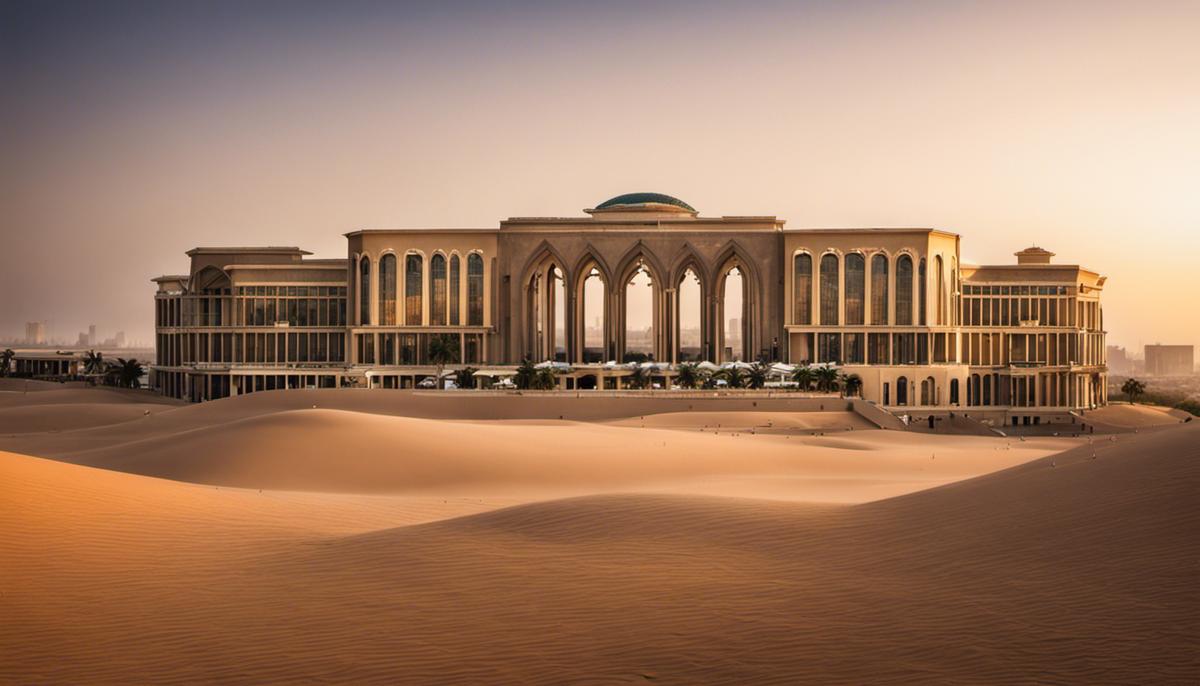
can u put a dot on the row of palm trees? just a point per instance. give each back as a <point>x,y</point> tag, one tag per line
<point>819,378</point>
<point>444,350</point>
<point>122,373</point>
<point>816,378</point>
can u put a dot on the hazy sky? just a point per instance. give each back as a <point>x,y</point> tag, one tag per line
<point>131,132</point>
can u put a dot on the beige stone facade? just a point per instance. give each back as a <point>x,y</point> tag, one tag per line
<point>895,306</point>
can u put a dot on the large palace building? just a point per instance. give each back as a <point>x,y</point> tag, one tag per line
<point>642,277</point>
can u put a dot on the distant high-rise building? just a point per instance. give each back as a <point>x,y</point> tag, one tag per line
<point>120,339</point>
<point>83,340</point>
<point>35,333</point>
<point>1118,360</point>
<point>1170,360</point>
<point>91,335</point>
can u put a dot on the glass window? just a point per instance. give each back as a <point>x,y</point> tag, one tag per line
<point>829,289</point>
<point>437,278</point>
<point>922,288</point>
<point>802,289</point>
<point>829,345</point>
<point>454,290</point>
<point>364,292</point>
<point>855,352</point>
<point>904,290</point>
<point>856,289</point>
<point>474,290</point>
<point>879,289</point>
<point>387,290</point>
<point>413,278</point>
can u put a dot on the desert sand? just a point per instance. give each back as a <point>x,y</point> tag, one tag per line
<point>399,541</point>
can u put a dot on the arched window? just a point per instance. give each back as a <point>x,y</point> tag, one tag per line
<point>953,391</point>
<point>733,294</point>
<point>413,279</point>
<point>829,289</point>
<point>856,288</point>
<point>904,291</point>
<point>940,292</point>
<point>902,391</point>
<point>387,290</point>
<point>922,288</point>
<point>987,389</point>
<point>593,316</point>
<point>879,290</point>
<point>690,313</point>
<point>639,316</point>
<point>802,289</point>
<point>364,292</point>
<point>455,284</point>
<point>437,287</point>
<point>474,290</point>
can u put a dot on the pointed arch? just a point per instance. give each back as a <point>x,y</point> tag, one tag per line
<point>639,258</point>
<point>590,267</point>
<point>688,257</point>
<point>209,279</point>
<point>731,256</point>
<point>694,345</point>
<point>543,281</point>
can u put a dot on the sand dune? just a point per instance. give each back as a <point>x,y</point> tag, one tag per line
<point>1132,417</point>
<point>759,422</point>
<point>1062,570</point>
<point>71,416</point>
<point>331,450</point>
<point>467,406</point>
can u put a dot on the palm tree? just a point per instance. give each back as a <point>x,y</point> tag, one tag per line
<point>827,378</point>
<point>852,384</point>
<point>6,359</point>
<point>640,378</point>
<point>442,350</point>
<point>756,376</point>
<point>465,377</point>
<point>546,379</point>
<point>129,373</point>
<point>1133,388</point>
<point>526,376</point>
<point>93,362</point>
<point>804,378</point>
<point>734,377</point>
<point>688,375</point>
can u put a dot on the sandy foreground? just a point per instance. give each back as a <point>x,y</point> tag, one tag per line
<point>404,541</point>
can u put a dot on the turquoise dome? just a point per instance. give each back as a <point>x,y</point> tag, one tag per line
<point>643,199</point>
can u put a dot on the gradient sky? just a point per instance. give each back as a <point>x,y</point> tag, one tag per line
<point>133,131</point>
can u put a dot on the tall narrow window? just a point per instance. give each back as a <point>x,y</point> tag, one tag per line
<point>940,292</point>
<point>387,290</point>
<point>904,290</point>
<point>412,290</point>
<point>879,289</point>
<point>922,289</point>
<point>364,292</point>
<point>474,290</point>
<point>802,289</point>
<point>829,289</point>
<point>856,288</point>
<point>437,279</point>
<point>455,284</point>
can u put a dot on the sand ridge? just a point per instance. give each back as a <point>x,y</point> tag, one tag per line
<point>1065,569</point>
<point>441,547</point>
